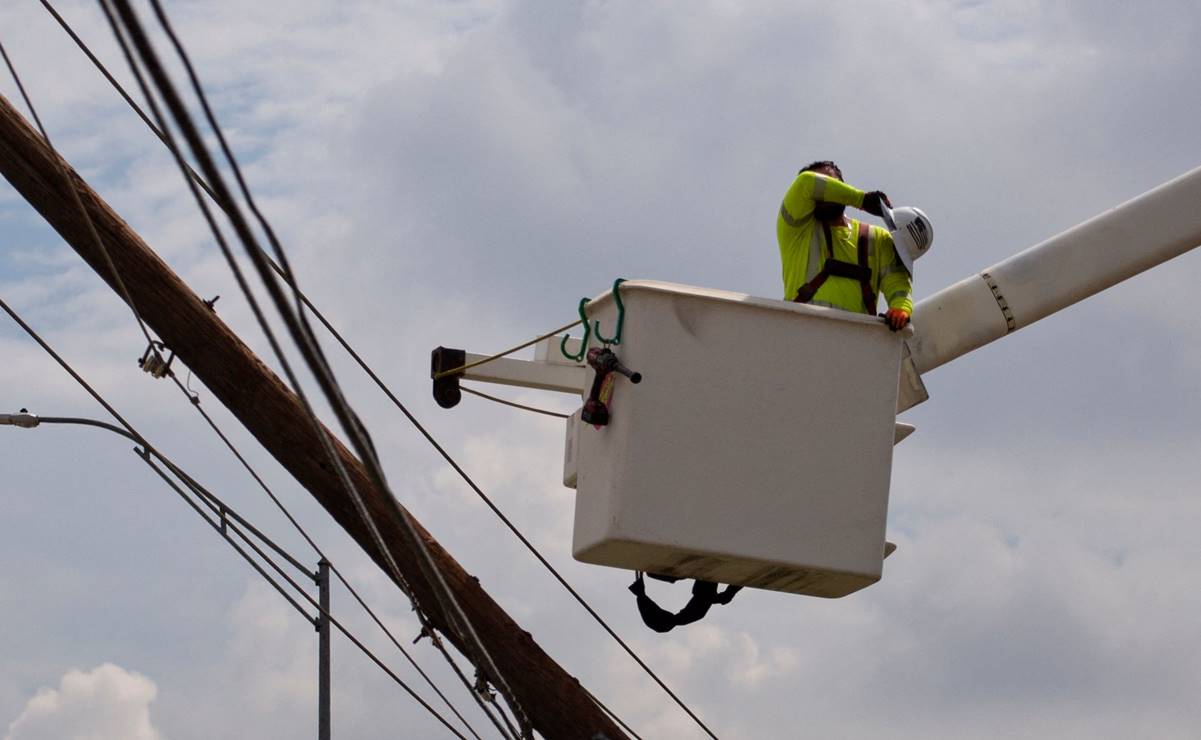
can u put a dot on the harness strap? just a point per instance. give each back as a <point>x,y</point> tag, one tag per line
<point>704,596</point>
<point>861,272</point>
<point>865,280</point>
<point>838,268</point>
<point>806,292</point>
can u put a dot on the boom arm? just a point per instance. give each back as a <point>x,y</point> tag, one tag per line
<point>1154,227</point>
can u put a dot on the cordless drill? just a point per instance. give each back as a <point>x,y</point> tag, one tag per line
<point>605,363</point>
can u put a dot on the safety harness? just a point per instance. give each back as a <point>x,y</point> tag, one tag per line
<point>861,272</point>
<point>704,596</point>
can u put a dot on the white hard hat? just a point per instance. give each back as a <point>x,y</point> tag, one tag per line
<point>912,233</point>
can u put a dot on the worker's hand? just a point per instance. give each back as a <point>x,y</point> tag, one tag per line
<point>872,201</point>
<point>896,318</point>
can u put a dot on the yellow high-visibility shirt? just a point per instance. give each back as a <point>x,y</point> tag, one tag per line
<point>803,248</point>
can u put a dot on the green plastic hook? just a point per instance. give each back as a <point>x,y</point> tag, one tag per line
<point>621,316</point>
<point>583,342</point>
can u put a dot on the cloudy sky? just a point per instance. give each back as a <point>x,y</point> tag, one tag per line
<point>461,173</point>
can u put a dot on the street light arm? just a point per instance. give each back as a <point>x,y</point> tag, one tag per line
<point>91,423</point>
<point>27,420</point>
<point>215,504</point>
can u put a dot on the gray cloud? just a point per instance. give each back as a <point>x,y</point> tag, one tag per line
<point>462,173</point>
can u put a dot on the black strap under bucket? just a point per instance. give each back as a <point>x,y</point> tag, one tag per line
<point>704,596</point>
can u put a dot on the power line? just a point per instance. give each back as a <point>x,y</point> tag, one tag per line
<point>298,328</point>
<point>149,450</point>
<point>375,377</point>
<point>615,718</point>
<point>121,285</point>
<point>222,510</point>
<point>62,170</point>
<point>333,620</point>
<point>152,347</point>
<point>195,402</point>
<point>221,527</point>
<point>118,87</point>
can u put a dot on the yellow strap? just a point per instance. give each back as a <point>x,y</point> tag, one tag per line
<point>477,363</point>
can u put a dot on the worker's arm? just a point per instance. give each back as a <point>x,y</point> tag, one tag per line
<point>895,282</point>
<point>811,187</point>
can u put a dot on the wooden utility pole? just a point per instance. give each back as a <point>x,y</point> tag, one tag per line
<point>557,705</point>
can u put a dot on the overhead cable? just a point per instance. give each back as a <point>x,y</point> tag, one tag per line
<point>192,183</point>
<point>118,87</point>
<point>60,163</point>
<point>306,341</point>
<point>133,434</point>
<point>613,716</point>
<point>152,346</point>
<point>221,527</point>
<point>224,512</point>
<point>195,402</point>
<point>313,602</point>
<point>323,612</point>
<point>297,327</point>
<point>350,350</point>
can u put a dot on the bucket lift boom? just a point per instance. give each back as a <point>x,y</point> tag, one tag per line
<point>1105,250</point>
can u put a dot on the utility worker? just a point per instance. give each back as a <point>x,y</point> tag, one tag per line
<point>831,260</point>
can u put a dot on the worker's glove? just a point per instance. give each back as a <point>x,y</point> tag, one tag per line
<point>896,318</point>
<point>872,201</point>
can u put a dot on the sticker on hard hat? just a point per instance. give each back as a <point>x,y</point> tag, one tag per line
<point>918,230</point>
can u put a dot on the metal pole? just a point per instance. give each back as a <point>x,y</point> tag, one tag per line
<point>323,700</point>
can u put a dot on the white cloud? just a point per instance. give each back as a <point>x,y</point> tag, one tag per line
<point>106,703</point>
